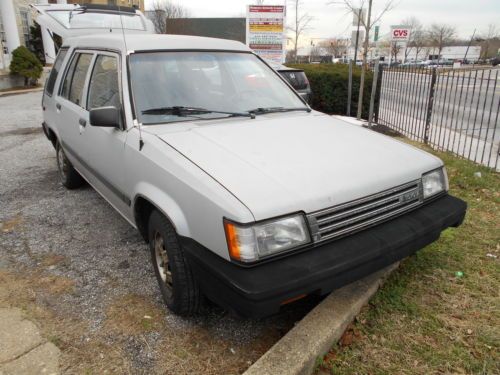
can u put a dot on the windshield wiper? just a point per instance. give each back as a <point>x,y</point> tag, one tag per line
<point>262,110</point>
<point>187,111</point>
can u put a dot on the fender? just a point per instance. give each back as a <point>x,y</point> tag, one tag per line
<point>163,203</point>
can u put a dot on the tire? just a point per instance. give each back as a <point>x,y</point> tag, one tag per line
<point>70,178</point>
<point>175,278</point>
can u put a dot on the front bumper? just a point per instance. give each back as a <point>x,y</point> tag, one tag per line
<point>261,290</point>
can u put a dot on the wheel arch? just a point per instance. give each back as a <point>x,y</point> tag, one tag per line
<point>144,204</point>
<point>50,134</point>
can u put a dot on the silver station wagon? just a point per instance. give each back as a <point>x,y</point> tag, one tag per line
<point>244,194</point>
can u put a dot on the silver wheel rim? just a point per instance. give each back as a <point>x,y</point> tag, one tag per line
<point>162,263</point>
<point>63,164</point>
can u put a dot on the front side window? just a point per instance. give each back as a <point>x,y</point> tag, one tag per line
<point>75,78</point>
<point>217,81</point>
<point>51,81</point>
<point>104,90</point>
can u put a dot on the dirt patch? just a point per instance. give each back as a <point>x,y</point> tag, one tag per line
<point>22,131</point>
<point>52,259</point>
<point>11,224</point>
<point>133,315</point>
<point>383,129</point>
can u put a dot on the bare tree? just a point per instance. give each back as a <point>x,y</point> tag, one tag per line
<point>164,10</point>
<point>440,36</point>
<point>417,36</point>
<point>367,25</point>
<point>301,23</point>
<point>395,48</point>
<point>489,38</point>
<point>337,47</point>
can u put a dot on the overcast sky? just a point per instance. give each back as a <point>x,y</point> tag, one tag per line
<point>332,20</point>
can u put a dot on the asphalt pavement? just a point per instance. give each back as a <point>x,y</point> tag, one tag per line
<point>465,112</point>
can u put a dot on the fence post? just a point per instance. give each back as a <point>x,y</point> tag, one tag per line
<point>430,104</point>
<point>349,89</point>
<point>374,93</point>
<point>378,93</point>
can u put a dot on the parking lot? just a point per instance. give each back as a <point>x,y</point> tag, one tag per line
<point>84,275</point>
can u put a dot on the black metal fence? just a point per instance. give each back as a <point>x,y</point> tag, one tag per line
<point>452,110</point>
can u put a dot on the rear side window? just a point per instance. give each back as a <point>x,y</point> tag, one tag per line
<point>103,87</point>
<point>74,81</point>
<point>49,88</point>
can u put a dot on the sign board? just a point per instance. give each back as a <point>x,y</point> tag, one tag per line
<point>358,13</point>
<point>361,37</point>
<point>400,34</point>
<point>266,32</point>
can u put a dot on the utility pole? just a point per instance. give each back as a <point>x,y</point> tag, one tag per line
<point>357,36</point>
<point>468,46</point>
<point>363,67</point>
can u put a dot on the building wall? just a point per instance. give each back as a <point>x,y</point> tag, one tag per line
<point>24,20</point>
<point>223,28</point>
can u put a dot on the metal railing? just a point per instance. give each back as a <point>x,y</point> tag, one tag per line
<point>453,110</point>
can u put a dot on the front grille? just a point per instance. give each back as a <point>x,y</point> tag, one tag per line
<point>353,216</point>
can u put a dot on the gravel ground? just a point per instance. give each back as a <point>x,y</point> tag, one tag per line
<point>90,272</point>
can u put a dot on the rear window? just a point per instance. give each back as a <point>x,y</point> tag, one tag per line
<point>51,81</point>
<point>297,79</point>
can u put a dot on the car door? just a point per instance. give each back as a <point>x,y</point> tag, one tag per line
<point>104,145</point>
<point>48,99</point>
<point>71,114</point>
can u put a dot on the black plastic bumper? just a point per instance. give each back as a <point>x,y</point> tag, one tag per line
<point>260,291</point>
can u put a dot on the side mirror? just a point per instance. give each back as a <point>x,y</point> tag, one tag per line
<point>108,117</point>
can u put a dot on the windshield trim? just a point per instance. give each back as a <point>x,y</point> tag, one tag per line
<point>129,78</point>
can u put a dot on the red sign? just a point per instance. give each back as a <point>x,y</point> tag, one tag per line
<point>400,34</point>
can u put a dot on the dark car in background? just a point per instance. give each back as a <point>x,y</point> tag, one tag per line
<point>297,79</point>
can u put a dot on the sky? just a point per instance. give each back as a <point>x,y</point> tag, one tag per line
<point>333,20</point>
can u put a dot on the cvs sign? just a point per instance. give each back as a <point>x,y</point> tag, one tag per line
<point>400,33</point>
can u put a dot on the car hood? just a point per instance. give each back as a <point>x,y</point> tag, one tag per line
<point>283,163</point>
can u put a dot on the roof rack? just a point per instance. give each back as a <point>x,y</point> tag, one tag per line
<point>106,7</point>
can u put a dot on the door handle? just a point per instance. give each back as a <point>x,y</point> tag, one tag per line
<point>58,106</point>
<point>82,122</point>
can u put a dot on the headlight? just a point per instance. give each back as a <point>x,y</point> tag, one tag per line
<point>434,182</point>
<point>248,243</point>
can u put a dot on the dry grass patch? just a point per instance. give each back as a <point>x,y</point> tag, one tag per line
<point>133,315</point>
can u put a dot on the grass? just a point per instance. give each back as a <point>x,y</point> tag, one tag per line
<point>439,313</point>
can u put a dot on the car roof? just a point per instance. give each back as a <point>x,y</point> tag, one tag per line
<point>153,42</point>
<point>283,68</point>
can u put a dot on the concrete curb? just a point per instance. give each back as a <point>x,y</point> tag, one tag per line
<point>313,336</point>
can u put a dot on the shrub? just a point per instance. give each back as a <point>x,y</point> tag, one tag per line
<point>26,64</point>
<point>329,83</point>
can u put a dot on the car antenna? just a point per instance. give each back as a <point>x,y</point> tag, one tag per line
<point>141,142</point>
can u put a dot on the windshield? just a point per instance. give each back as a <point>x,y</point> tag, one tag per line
<point>77,19</point>
<point>215,81</point>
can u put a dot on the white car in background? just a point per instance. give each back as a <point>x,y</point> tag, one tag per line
<point>244,194</point>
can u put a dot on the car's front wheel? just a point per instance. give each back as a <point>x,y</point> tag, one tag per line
<point>68,174</point>
<point>178,286</point>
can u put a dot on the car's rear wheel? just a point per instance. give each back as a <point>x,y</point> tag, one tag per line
<point>68,174</point>
<point>175,278</point>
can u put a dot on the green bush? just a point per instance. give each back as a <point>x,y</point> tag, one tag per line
<point>26,64</point>
<point>329,83</point>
